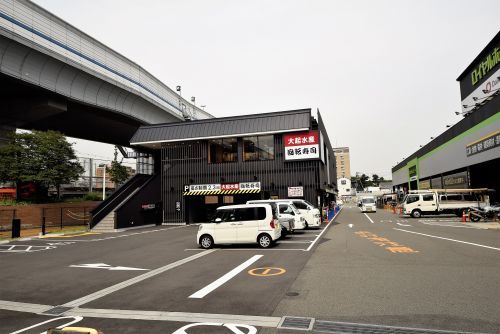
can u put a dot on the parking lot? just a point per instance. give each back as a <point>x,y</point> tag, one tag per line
<point>151,272</point>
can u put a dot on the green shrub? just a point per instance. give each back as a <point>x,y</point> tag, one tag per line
<point>93,197</point>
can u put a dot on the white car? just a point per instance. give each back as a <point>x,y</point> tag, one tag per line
<point>286,212</point>
<point>236,224</point>
<point>308,211</point>
<point>368,204</point>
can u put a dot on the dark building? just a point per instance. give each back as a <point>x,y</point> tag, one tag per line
<point>467,155</point>
<point>208,163</point>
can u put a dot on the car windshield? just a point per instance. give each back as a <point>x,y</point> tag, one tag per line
<point>368,200</point>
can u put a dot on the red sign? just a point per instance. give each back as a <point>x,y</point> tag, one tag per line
<point>230,186</point>
<point>301,139</point>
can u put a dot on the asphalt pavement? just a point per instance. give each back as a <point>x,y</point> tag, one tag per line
<point>376,268</point>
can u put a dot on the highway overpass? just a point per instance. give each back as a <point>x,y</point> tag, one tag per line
<point>54,76</point>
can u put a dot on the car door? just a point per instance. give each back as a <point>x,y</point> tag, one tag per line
<point>225,231</point>
<point>428,203</point>
<point>248,224</point>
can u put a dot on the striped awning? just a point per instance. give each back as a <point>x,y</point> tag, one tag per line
<point>220,192</point>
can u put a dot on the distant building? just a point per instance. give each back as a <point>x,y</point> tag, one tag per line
<point>343,162</point>
<point>344,187</point>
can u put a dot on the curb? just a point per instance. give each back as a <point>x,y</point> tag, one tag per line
<point>38,237</point>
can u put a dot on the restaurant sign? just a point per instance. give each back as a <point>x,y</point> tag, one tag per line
<point>301,146</point>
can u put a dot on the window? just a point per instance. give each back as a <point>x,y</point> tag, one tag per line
<point>258,148</point>
<point>412,199</point>
<point>343,182</point>
<point>300,205</point>
<point>428,198</point>
<point>222,150</point>
<point>250,214</point>
<point>224,215</point>
<point>228,199</point>
<point>286,209</point>
<point>211,200</point>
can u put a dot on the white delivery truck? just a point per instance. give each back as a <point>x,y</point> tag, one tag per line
<point>439,201</point>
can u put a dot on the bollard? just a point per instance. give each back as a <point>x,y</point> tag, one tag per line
<point>43,226</point>
<point>16,228</point>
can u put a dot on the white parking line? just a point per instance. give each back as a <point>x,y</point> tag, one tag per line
<point>137,279</point>
<point>371,221</point>
<point>218,282</point>
<point>454,240</point>
<point>435,224</point>
<point>74,321</point>
<point>324,229</point>
<point>294,242</point>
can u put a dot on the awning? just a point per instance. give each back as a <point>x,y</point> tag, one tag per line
<point>220,192</point>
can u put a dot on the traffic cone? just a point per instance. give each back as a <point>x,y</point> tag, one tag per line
<point>400,210</point>
<point>394,209</point>
<point>464,217</point>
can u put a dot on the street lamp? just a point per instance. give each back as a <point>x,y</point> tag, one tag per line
<point>203,107</point>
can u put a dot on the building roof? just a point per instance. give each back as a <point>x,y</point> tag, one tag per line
<point>256,124</point>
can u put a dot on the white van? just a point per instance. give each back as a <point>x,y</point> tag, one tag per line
<point>286,212</point>
<point>306,209</point>
<point>235,224</point>
<point>439,201</point>
<point>368,204</point>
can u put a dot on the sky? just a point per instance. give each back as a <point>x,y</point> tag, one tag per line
<point>382,73</point>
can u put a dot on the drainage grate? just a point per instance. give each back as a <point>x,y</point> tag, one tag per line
<point>296,323</point>
<point>350,328</point>
<point>58,310</point>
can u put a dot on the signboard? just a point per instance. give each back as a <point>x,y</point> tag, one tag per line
<point>484,144</point>
<point>458,180</point>
<point>250,185</point>
<point>230,186</point>
<point>424,184</point>
<point>295,191</point>
<point>203,187</point>
<point>301,146</point>
<point>148,206</point>
<point>177,206</point>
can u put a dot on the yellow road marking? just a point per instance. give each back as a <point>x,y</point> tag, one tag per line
<point>266,271</point>
<point>391,246</point>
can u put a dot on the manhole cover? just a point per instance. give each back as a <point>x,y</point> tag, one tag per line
<point>292,294</point>
<point>58,310</point>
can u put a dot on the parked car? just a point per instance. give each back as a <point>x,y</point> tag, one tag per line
<point>311,214</point>
<point>236,224</point>
<point>287,213</point>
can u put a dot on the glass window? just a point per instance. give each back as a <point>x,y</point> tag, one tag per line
<point>412,199</point>
<point>211,200</point>
<point>258,148</point>
<point>343,182</point>
<point>428,198</point>
<point>224,215</point>
<point>249,214</point>
<point>286,209</point>
<point>228,199</point>
<point>300,205</point>
<point>222,150</point>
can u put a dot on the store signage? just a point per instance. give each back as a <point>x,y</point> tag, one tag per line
<point>295,191</point>
<point>455,180</point>
<point>301,146</point>
<point>203,187</point>
<point>230,186</point>
<point>177,206</point>
<point>484,144</point>
<point>148,206</point>
<point>486,65</point>
<point>482,92</point>
<point>250,185</point>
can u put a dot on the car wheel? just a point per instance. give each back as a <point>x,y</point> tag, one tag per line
<point>206,241</point>
<point>264,241</point>
<point>416,214</point>
<point>475,218</point>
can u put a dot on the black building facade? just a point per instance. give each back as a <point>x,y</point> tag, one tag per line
<point>209,163</point>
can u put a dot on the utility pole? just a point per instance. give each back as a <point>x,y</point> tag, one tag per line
<point>91,173</point>
<point>103,182</point>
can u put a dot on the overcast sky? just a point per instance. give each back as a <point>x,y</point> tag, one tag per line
<point>382,73</point>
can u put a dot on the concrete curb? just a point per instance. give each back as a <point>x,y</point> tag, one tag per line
<point>40,237</point>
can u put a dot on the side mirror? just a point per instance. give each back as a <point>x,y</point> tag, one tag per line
<point>218,220</point>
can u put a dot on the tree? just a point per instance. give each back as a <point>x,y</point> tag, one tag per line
<point>375,179</point>
<point>45,158</point>
<point>118,173</point>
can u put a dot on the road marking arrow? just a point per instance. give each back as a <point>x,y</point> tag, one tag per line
<point>103,266</point>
